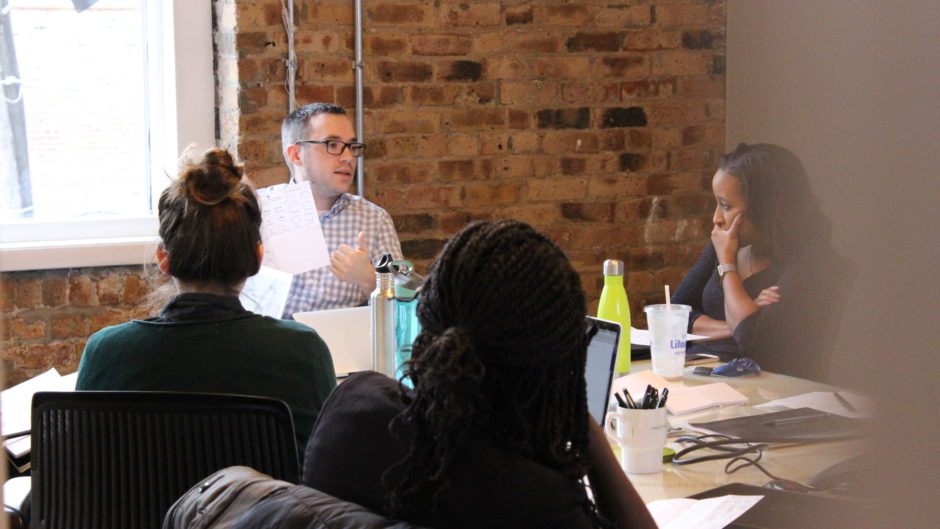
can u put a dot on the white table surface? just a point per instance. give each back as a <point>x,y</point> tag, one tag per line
<point>794,462</point>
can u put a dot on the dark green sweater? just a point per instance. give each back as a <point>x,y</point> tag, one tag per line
<point>214,350</point>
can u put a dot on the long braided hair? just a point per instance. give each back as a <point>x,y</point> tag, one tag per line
<point>502,351</point>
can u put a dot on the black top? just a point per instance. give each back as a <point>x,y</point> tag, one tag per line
<point>793,336</point>
<point>351,448</point>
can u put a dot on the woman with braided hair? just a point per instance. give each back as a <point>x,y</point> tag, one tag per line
<point>203,340</point>
<point>496,432</point>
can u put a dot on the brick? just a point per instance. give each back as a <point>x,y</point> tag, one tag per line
<point>68,326</point>
<point>718,65</point>
<point>692,135</point>
<point>652,40</point>
<point>251,41</point>
<point>411,172</point>
<point>519,42</point>
<point>136,290</point>
<point>648,88</point>
<point>82,291</point>
<point>590,92</point>
<point>583,41</point>
<point>612,140</point>
<point>488,194</point>
<point>398,14</point>
<point>681,63</point>
<point>518,15</point>
<point>429,95</point>
<point>623,117</point>
<point>499,143</point>
<point>622,66</point>
<point>566,142</point>
<point>632,162</point>
<point>7,292</point>
<point>389,122</point>
<point>109,290</point>
<point>421,248</point>
<point>327,14</point>
<point>680,14</point>
<point>105,318</point>
<point>562,67</point>
<point>562,15</point>
<point>454,221</point>
<point>537,215</point>
<point>441,44</point>
<point>466,14</point>
<point>404,72</point>
<point>324,69</point>
<point>385,45</point>
<point>573,166</point>
<point>621,16</point>
<point>518,119</point>
<point>475,119</point>
<point>703,39</point>
<point>564,118</point>
<point>460,71</point>
<point>588,211</point>
<point>666,184</point>
<point>463,145</point>
<point>397,147</point>
<point>456,169</point>
<point>29,329</point>
<point>425,197</point>
<point>528,93</point>
<point>28,292</point>
<point>414,223</point>
<point>510,168</point>
<point>568,188</point>
<point>511,67</point>
<point>622,185</point>
<point>676,112</point>
<point>6,330</point>
<point>706,86</point>
<point>43,356</point>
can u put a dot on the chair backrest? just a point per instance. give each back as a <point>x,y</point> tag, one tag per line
<point>119,459</point>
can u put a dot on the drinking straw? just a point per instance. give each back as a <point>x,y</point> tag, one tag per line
<point>668,303</point>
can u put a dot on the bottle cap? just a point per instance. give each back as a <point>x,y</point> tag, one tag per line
<point>613,267</point>
<point>383,266</point>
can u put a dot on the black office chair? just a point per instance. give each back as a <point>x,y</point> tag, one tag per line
<point>119,459</point>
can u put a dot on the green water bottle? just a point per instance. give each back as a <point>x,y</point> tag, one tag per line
<point>614,307</point>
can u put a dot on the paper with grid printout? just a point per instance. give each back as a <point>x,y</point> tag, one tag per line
<point>290,229</point>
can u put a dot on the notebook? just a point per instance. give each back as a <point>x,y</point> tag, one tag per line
<point>804,425</point>
<point>599,370</point>
<point>348,334</point>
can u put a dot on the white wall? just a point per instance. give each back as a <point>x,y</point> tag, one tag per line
<point>853,87</point>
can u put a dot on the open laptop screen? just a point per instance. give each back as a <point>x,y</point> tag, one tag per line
<point>601,356</point>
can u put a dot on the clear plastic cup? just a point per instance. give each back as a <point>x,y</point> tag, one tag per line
<point>667,338</point>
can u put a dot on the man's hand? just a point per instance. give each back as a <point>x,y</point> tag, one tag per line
<point>353,264</point>
<point>768,296</point>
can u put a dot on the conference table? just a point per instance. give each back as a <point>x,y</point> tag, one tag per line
<point>796,462</point>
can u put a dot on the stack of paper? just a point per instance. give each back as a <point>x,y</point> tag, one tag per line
<point>710,513</point>
<point>16,409</point>
<point>682,399</point>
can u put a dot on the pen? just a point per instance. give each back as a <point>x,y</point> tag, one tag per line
<point>662,398</point>
<point>794,420</point>
<point>630,402</point>
<point>646,397</point>
<point>845,403</point>
<point>620,401</point>
<point>654,399</point>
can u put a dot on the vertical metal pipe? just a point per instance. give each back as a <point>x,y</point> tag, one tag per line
<point>357,66</point>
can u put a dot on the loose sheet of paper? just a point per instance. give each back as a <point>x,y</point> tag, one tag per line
<point>642,337</point>
<point>266,292</point>
<point>682,399</point>
<point>17,401</point>
<point>709,513</point>
<point>290,229</point>
<point>826,401</point>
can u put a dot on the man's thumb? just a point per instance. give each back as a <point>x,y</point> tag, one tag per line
<point>361,240</point>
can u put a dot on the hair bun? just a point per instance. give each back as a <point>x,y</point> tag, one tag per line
<point>212,179</point>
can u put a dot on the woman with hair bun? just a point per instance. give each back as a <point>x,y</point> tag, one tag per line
<point>203,340</point>
<point>768,286</point>
<point>496,432</point>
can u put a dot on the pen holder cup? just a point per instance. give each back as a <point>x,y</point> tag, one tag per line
<point>641,435</point>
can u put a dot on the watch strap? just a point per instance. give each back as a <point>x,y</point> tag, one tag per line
<point>724,269</point>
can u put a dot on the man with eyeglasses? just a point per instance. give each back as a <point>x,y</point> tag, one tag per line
<point>321,150</point>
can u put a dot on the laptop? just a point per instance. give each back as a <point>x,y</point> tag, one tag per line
<point>599,370</point>
<point>348,334</point>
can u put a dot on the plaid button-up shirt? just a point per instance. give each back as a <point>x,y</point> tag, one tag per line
<point>319,289</point>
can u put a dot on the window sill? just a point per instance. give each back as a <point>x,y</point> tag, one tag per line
<point>77,253</point>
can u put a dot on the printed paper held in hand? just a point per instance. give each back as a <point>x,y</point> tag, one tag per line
<point>290,229</point>
<point>710,513</point>
<point>682,399</point>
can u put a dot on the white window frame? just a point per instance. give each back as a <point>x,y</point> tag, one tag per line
<point>182,107</point>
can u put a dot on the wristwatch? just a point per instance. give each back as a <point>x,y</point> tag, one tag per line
<point>724,269</point>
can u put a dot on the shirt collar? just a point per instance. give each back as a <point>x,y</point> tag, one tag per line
<point>342,202</point>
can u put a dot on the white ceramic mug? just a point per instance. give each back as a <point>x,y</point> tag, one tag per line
<point>641,435</point>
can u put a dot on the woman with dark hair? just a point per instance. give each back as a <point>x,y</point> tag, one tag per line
<point>203,340</point>
<point>496,432</point>
<point>766,284</point>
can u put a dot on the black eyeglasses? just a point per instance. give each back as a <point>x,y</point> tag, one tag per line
<point>337,147</point>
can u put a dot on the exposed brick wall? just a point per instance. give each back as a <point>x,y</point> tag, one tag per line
<point>597,121</point>
<point>47,316</point>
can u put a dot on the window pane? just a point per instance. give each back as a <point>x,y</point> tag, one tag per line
<point>85,105</point>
